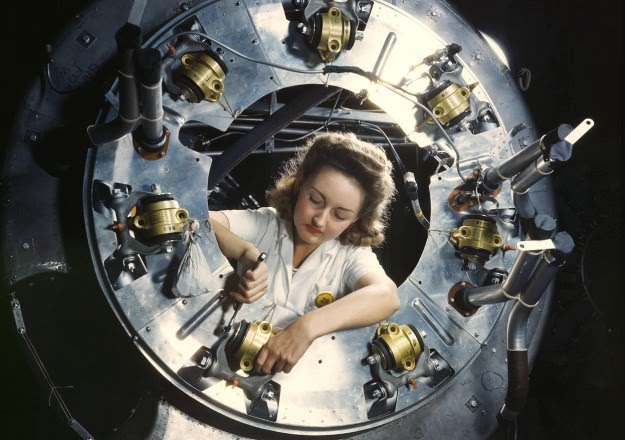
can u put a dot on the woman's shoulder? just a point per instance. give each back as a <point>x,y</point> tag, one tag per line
<point>348,250</point>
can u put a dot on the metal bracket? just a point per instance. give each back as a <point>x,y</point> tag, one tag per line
<point>535,245</point>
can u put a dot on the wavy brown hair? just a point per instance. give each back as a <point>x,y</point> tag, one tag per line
<point>353,157</point>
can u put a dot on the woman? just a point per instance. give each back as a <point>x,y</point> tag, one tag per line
<point>327,207</point>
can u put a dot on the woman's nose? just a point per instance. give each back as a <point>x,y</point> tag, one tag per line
<point>319,220</point>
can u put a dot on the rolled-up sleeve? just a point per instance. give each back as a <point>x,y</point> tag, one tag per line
<point>253,225</point>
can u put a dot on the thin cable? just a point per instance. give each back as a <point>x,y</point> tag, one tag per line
<point>390,144</point>
<point>48,379</point>
<point>239,54</point>
<point>397,89</point>
<point>357,71</point>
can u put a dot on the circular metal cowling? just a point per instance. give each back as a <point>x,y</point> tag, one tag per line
<point>181,387</point>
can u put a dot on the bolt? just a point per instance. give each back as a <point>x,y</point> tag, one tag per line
<point>494,350</point>
<point>270,394</point>
<point>423,334</point>
<point>148,329</point>
<point>86,39</point>
<point>376,394</point>
<point>184,301</point>
<point>25,245</point>
<point>33,137</point>
<point>371,360</point>
<point>473,403</point>
<point>155,187</point>
<point>476,334</point>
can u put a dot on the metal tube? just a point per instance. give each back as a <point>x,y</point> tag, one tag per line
<point>547,268</point>
<point>517,327</point>
<point>128,39</point>
<point>524,205</point>
<point>493,177</point>
<point>389,43</point>
<point>530,175</point>
<point>481,296</point>
<point>521,269</point>
<point>201,315</point>
<point>518,367</point>
<point>149,77</point>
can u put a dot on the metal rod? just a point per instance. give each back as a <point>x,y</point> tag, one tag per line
<point>201,315</point>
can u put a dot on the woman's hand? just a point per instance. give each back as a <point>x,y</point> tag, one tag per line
<point>253,277</point>
<point>285,348</point>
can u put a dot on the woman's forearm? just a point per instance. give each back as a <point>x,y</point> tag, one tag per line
<point>371,303</point>
<point>230,244</point>
<point>365,306</point>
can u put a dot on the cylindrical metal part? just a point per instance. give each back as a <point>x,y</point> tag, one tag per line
<point>524,205</point>
<point>514,164</point>
<point>398,346</point>
<point>518,383</point>
<point>547,268</point>
<point>480,296</point>
<point>517,327</point>
<point>201,315</point>
<point>128,39</point>
<point>532,174</point>
<point>521,269</point>
<point>389,43</point>
<point>252,337</point>
<point>544,226</point>
<point>160,218</point>
<point>149,77</point>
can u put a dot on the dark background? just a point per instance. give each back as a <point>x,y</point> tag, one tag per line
<point>574,52</point>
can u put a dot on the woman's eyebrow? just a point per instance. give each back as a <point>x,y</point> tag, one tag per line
<point>324,198</point>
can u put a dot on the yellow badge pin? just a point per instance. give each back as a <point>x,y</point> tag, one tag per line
<point>323,298</point>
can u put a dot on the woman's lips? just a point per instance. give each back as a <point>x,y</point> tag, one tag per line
<point>312,230</point>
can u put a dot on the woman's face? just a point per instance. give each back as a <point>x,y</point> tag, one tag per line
<point>328,202</point>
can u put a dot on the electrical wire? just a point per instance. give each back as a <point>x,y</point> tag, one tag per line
<point>343,69</point>
<point>245,57</point>
<point>452,145</point>
<point>400,164</point>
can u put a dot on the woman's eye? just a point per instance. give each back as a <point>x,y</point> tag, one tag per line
<point>315,201</point>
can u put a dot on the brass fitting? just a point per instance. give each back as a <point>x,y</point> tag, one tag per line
<point>399,346</point>
<point>201,77</point>
<point>252,337</point>
<point>160,218</point>
<point>477,239</point>
<point>450,103</point>
<point>334,35</point>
